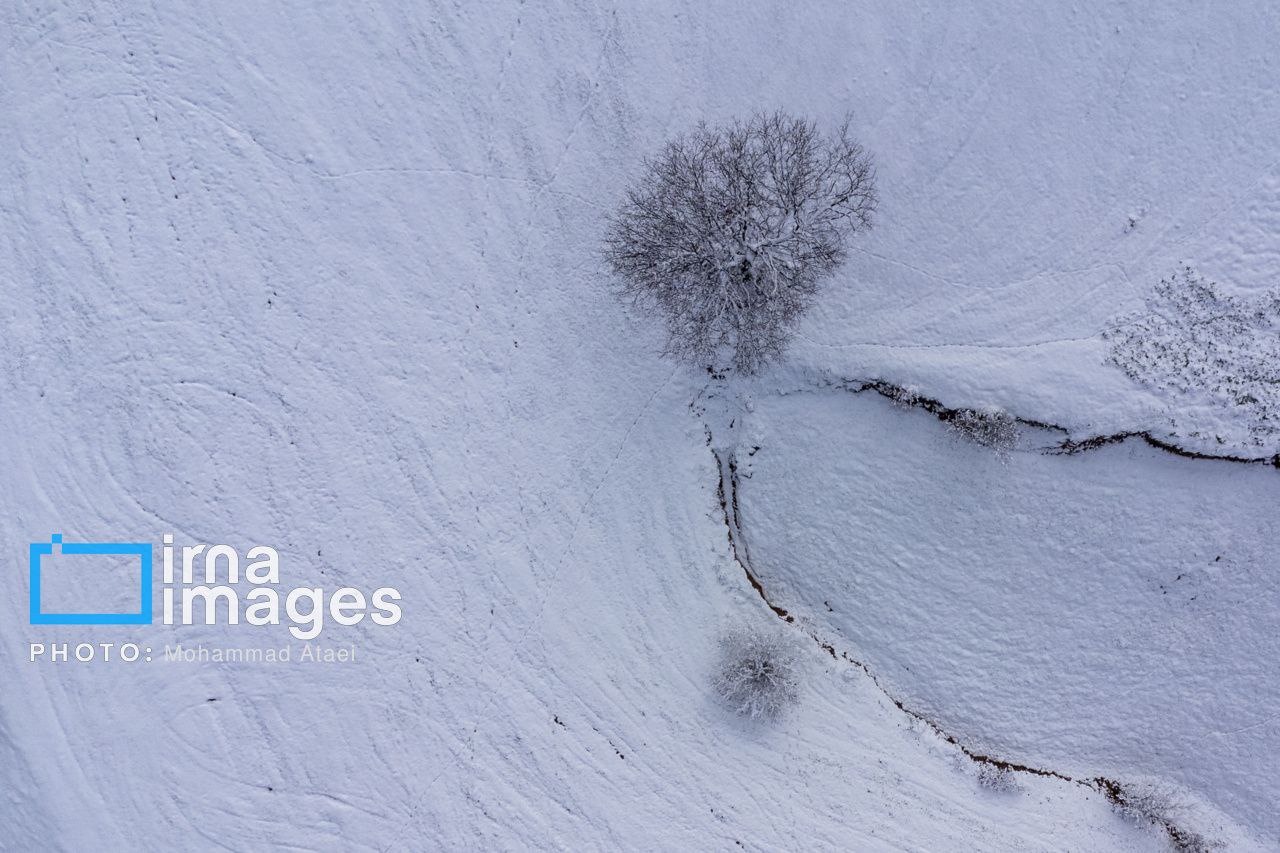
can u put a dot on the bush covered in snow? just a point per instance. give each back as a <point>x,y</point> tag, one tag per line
<point>1151,803</point>
<point>758,674</point>
<point>992,428</point>
<point>1197,343</point>
<point>730,230</point>
<point>902,396</point>
<point>993,777</point>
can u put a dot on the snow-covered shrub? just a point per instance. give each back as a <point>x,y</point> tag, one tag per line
<point>1152,803</point>
<point>730,230</point>
<point>758,674</point>
<point>996,778</point>
<point>902,396</point>
<point>992,428</point>
<point>1197,343</point>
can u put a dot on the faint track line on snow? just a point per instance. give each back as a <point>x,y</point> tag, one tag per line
<point>1025,280</point>
<point>546,593</point>
<point>607,42</point>
<point>369,171</point>
<point>985,85</point>
<point>1247,728</point>
<point>881,345</point>
<point>582,510</point>
<point>1231,204</point>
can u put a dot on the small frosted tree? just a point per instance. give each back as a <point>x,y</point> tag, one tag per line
<point>730,230</point>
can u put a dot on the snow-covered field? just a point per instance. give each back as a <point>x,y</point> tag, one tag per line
<point>328,277</point>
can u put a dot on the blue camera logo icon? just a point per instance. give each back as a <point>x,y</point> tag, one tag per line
<point>42,550</point>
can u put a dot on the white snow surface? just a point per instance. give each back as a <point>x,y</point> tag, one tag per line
<point>327,277</point>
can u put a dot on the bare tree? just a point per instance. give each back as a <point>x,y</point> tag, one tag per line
<point>730,231</point>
